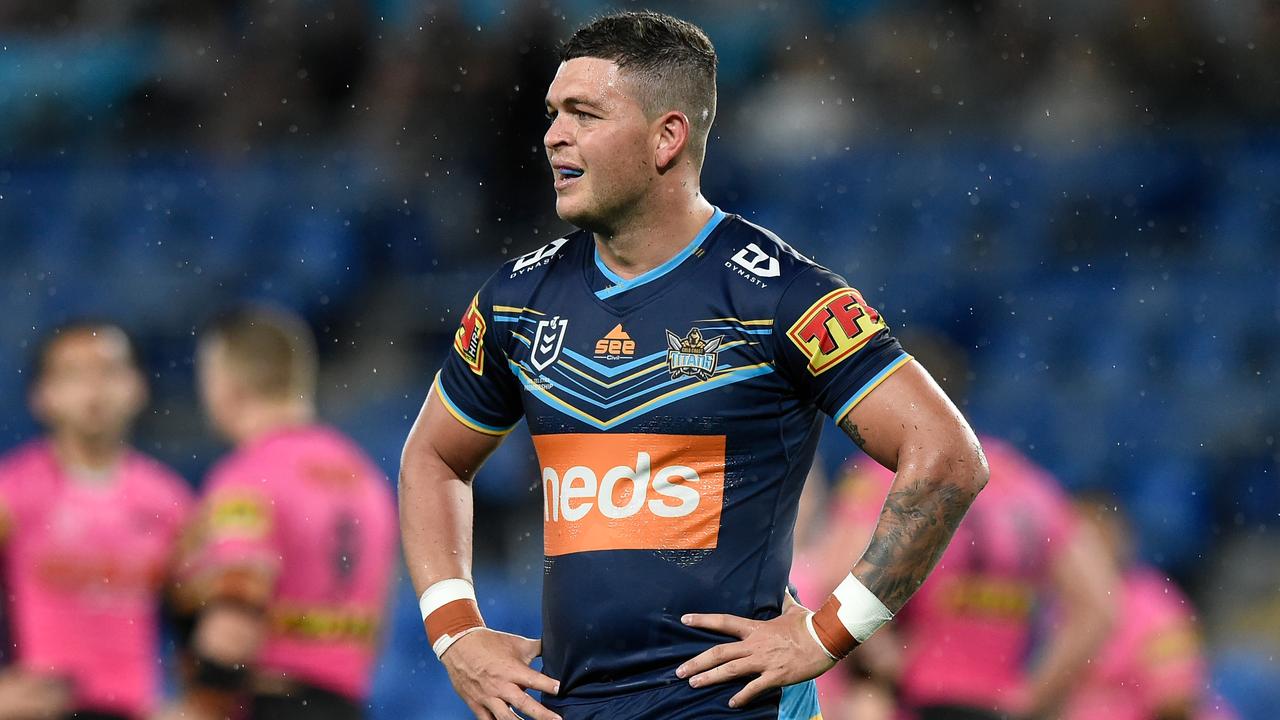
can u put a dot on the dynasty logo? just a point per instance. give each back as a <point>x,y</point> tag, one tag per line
<point>692,355</point>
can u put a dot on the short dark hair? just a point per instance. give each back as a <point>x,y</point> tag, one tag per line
<point>43,349</point>
<point>672,60</point>
<point>273,350</point>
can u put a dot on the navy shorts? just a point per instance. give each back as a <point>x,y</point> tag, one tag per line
<point>678,701</point>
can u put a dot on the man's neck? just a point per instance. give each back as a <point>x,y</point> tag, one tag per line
<point>87,457</point>
<point>652,238</point>
<point>265,417</point>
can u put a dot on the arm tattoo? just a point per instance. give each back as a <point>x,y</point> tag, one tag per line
<point>915,526</point>
<point>852,431</point>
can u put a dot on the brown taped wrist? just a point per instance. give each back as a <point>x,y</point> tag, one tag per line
<point>452,618</point>
<point>832,633</point>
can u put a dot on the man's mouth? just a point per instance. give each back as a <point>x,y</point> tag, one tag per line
<point>566,175</point>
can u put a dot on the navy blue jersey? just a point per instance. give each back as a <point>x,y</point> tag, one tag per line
<point>675,417</point>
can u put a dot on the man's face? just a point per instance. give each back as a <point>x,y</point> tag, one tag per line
<point>599,143</point>
<point>89,385</point>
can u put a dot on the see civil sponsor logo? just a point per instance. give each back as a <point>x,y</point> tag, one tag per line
<point>615,344</point>
<point>630,491</point>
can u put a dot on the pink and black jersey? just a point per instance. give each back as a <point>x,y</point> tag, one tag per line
<point>85,565</point>
<point>305,509</point>
<point>675,416</point>
<point>967,632</point>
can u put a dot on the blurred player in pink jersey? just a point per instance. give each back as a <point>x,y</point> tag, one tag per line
<point>88,528</point>
<point>1152,666</point>
<point>294,551</point>
<point>960,649</point>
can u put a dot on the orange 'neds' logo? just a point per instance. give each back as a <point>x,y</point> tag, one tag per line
<point>630,491</point>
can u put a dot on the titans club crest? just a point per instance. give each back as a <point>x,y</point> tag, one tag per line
<point>692,355</point>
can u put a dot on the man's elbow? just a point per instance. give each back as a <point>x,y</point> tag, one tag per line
<point>956,461</point>
<point>965,463</point>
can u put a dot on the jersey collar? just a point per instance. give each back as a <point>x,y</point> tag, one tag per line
<point>621,285</point>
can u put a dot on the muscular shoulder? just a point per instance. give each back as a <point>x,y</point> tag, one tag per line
<point>349,459</point>
<point>520,276</point>
<point>26,477</point>
<point>761,259</point>
<point>237,470</point>
<point>22,460</point>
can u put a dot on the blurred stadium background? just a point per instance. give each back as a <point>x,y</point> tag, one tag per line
<point>1085,193</point>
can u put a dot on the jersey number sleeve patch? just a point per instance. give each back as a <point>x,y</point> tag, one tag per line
<point>835,327</point>
<point>469,340</point>
<point>238,515</point>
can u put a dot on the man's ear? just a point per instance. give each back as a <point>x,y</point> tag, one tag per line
<point>141,392</point>
<point>38,402</point>
<point>671,138</point>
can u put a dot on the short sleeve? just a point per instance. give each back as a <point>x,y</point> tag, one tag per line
<point>23,489</point>
<point>832,345</point>
<point>475,383</point>
<point>233,554</point>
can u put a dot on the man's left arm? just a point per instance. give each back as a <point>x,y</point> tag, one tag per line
<point>837,352</point>
<point>226,577</point>
<point>911,427</point>
<point>908,425</point>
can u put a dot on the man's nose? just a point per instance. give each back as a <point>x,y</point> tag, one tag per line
<point>557,134</point>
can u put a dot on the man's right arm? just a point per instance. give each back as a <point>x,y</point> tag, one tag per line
<point>490,670</point>
<point>24,694</point>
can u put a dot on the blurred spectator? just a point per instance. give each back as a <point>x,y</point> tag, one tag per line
<point>803,109</point>
<point>89,526</point>
<point>1076,108</point>
<point>1152,665</point>
<point>1113,265</point>
<point>291,562</point>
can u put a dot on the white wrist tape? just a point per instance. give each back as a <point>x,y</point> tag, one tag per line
<point>860,611</point>
<point>850,616</point>
<point>808,625</point>
<point>449,612</point>
<point>446,641</point>
<point>443,593</point>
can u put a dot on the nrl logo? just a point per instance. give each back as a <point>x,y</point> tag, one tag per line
<point>547,342</point>
<point>692,355</point>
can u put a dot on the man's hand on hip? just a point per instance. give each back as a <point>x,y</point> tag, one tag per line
<point>777,652</point>
<point>490,670</point>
